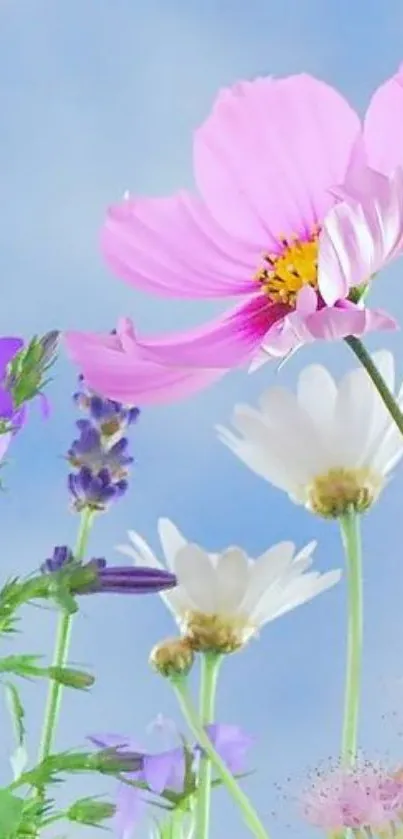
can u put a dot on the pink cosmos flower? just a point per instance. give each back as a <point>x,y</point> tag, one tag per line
<point>298,206</point>
<point>364,797</point>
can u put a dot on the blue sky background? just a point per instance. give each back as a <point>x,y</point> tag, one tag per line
<point>96,98</point>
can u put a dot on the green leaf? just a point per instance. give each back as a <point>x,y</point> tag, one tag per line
<point>11,809</point>
<point>22,665</point>
<point>17,711</point>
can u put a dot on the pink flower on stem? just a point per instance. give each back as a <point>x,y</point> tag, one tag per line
<point>298,206</point>
<point>365,797</point>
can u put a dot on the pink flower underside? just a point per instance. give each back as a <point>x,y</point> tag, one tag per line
<point>163,369</point>
<point>154,370</point>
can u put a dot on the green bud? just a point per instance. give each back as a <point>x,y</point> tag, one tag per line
<point>90,811</point>
<point>27,371</point>
<point>71,678</point>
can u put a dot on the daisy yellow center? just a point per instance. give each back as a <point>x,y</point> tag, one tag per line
<point>216,632</point>
<point>333,494</point>
<point>283,275</point>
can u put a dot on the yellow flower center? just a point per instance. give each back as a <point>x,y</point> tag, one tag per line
<point>284,275</point>
<point>216,632</point>
<point>331,495</point>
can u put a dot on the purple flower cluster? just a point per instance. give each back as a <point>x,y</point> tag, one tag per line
<point>100,453</point>
<point>113,579</point>
<point>167,770</point>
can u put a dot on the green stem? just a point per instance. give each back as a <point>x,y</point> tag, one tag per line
<point>191,716</point>
<point>210,666</point>
<point>350,531</point>
<point>61,650</point>
<point>364,357</point>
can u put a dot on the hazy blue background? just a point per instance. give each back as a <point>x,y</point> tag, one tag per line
<point>97,97</point>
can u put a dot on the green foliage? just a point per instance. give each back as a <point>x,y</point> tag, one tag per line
<point>11,810</point>
<point>17,712</point>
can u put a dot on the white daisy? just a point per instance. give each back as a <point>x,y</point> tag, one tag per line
<point>328,447</point>
<point>223,599</point>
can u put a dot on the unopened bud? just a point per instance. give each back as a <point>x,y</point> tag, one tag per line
<point>71,678</point>
<point>91,812</point>
<point>173,657</point>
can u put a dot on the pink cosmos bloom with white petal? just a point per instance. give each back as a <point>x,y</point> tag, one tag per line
<point>298,204</point>
<point>365,797</point>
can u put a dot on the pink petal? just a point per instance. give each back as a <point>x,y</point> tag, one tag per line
<point>360,182</point>
<point>173,247</point>
<point>133,380</point>
<point>383,127</point>
<point>267,156</point>
<point>358,239</point>
<point>227,341</point>
<point>332,324</point>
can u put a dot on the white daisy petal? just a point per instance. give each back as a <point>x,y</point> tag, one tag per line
<point>224,597</point>
<point>266,569</point>
<point>197,577</point>
<point>232,576</point>
<point>171,540</point>
<point>317,393</point>
<point>329,433</point>
<point>142,551</point>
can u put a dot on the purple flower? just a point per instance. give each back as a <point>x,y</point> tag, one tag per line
<point>166,770</point>
<point>9,347</point>
<point>100,452</point>
<point>116,579</point>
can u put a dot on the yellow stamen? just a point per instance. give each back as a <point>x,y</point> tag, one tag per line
<point>285,274</point>
<point>217,632</point>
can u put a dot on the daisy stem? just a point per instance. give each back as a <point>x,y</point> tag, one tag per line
<point>350,532</point>
<point>192,718</point>
<point>364,357</point>
<point>210,665</point>
<point>61,649</point>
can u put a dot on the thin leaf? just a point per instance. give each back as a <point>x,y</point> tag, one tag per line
<point>17,712</point>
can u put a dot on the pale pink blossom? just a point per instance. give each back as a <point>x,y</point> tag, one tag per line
<point>366,797</point>
<point>298,205</point>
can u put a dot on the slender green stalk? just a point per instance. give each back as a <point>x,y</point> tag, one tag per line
<point>61,650</point>
<point>210,666</point>
<point>191,716</point>
<point>364,357</point>
<point>350,531</point>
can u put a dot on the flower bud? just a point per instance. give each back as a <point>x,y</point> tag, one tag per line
<point>173,657</point>
<point>90,811</point>
<point>71,677</point>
